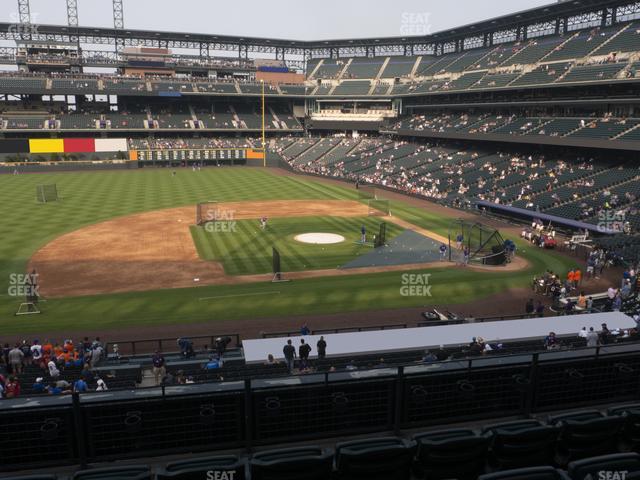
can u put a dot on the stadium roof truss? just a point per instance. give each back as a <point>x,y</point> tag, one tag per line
<point>547,20</point>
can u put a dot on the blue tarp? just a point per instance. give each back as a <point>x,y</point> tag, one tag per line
<point>567,222</point>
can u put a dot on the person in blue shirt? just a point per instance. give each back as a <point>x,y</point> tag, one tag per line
<point>305,330</point>
<point>212,364</point>
<point>80,386</point>
<point>38,387</point>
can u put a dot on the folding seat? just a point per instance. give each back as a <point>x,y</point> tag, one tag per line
<point>130,472</point>
<point>523,443</point>
<point>387,458</point>
<point>304,463</point>
<point>617,466</point>
<point>531,473</point>
<point>630,434</point>
<point>197,468</point>
<point>586,434</point>
<point>457,453</point>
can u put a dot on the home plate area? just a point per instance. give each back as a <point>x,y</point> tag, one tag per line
<point>407,248</point>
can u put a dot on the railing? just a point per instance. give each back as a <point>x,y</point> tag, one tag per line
<point>117,426</point>
<point>169,345</point>
<point>335,330</point>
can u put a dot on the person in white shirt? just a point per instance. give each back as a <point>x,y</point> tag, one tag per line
<point>36,351</point>
<point>583,333</point>
<point>101,386</point>
<point>53,370</point>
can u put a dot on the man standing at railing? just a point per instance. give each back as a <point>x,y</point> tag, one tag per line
<point>289,352</point>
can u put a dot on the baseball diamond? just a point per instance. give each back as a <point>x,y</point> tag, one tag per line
<point>230,253</point>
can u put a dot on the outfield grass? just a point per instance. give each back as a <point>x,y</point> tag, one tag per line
<point>96,196</point>
<point>248,249</point>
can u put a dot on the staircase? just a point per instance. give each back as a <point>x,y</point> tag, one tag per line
<point>625,132</point>
<point>312,74</point>
<point>559,46</point>
<point>382,69</point>
<point>344,69</point>
<point>414,70</point>
<point>609,39</point>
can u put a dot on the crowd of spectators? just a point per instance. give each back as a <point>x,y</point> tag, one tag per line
<point>51,361</point>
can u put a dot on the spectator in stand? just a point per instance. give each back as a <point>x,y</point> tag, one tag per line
<point>159,368</point>
<point>322,348</point>
<point>577,278</point>
<point>551,342</point>
<point>213,363</point>
<point>53,369</point>
<point>582,301</point>
<point>97,351</point>
<point>36,353</point>
<point>529,307</point>
<point>589,304</point>
<point>26,350</point>
<point>15,360</point>
<point>592,338</point>
<point>38,386</point>
<point>271,360</point>
<point>289,352</point>
<point>12,387</point>
<point>605,334</point>
<point>540,309</point>
<point>102,386</point>
<point>87,374</point>
<point>304,331</point>
<point>80,386</point>
<point>303,352</point>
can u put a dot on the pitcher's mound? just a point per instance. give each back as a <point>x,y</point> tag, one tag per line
<point>319,238</point>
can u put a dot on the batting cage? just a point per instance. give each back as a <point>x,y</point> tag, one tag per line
<point>367,192</point>
<point>207,212</point>
<point>381,238</point>
<point>485,244</point>
<point>47,193</point>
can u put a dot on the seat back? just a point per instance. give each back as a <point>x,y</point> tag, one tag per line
<point>305,463</point>
<point>531,473</point>
<point>197,468</point>
<point>619,462</point>
<point>530,446</point>
<point>580,439</point>
<point>130,472</point>
<point>377,458</point>
<point>458,457</point>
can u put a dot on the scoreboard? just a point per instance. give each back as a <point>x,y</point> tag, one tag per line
<point>172,156</point>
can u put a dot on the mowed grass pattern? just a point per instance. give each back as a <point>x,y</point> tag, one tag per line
<point>92,197</point>
<point>96,196</point>
<point>248,249</point>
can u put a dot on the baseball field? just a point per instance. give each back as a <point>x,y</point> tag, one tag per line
<point>120,250</point>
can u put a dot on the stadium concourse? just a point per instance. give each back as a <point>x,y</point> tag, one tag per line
<point>498,158</point>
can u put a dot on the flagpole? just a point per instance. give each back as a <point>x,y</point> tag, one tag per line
<point>264,142</point>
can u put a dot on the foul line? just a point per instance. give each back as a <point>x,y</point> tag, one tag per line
<point>239,295</point>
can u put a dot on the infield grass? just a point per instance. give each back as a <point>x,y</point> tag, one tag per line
<point>248,249</point>
<point>93,197</point>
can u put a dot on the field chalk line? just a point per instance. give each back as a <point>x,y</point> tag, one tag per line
<point>239,295</point>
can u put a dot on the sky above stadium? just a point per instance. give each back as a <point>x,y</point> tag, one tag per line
<point>289,19</point>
